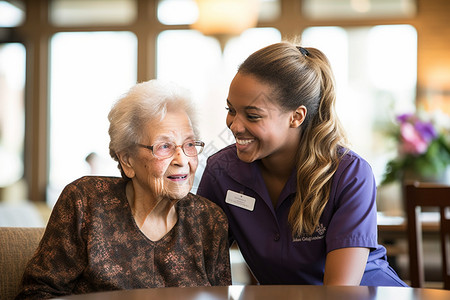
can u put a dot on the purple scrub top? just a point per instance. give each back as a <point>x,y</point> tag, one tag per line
<point>265,238</point>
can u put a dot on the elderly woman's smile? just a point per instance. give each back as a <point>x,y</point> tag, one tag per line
<point>178,177</point>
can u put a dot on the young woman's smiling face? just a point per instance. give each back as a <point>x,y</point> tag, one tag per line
<point>261,128</point>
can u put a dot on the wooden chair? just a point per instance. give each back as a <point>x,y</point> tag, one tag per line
<point>17,246</point>
<point>419,195</point>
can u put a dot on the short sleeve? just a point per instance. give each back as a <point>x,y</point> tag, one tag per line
<point>354,215</point>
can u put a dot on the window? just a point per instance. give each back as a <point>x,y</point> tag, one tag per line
<point>92,12</point>
<point>358,9</point>
<point>177,12</point>
<point>197,63</point>
<point>89,71</point>
<point>11,13</point>
<point>375,70</point>
<point>12,114</point>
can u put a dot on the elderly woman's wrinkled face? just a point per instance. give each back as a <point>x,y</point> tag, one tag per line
<point>170,177</point>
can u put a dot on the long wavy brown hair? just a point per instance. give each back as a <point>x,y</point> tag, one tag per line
<point>303,76</point>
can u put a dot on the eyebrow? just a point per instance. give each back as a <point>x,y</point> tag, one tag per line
<point>247,107</point>
<point>253,107</point>
<point>169,138</point>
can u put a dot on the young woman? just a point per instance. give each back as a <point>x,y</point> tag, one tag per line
<point>300,204</point>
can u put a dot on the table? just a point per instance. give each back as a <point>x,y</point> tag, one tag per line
<point>397,224</point>
<point>392,229</point>
<point>393,235</point>
<point>272,292</point>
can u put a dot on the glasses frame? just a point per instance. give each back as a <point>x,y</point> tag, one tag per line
<point>197,143</point>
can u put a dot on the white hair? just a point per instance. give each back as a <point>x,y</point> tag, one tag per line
<point>145,102</point>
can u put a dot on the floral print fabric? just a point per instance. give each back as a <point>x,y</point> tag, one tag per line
<point>92,243</point>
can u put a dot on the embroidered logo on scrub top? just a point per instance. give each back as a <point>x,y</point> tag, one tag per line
<point>318,234</point>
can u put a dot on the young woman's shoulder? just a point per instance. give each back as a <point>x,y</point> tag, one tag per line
<point>354,165</point>
<point>227,153</point>
<point>349,156</point>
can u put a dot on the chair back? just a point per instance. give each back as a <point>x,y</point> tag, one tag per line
<point>418,195</point>
<point>17,246</point>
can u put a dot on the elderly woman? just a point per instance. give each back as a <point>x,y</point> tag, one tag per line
<point>146,229</point>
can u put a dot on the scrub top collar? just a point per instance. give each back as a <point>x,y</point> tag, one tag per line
<point>249,175</point>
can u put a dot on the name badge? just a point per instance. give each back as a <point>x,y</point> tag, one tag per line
<point>240,200</point>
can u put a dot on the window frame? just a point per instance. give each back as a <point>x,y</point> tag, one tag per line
<point>36,39</point>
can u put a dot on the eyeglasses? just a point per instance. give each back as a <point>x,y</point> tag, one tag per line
<point>167,149</point>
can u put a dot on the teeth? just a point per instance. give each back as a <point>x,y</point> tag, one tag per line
<point>178,177</point>
<point>243,142</point>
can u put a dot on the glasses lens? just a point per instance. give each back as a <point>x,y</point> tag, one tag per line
<point>199,146</point>
<point>192,148</point>
<point>163,150</point>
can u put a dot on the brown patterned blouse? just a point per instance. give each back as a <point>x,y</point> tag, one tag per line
<point>92,243</point>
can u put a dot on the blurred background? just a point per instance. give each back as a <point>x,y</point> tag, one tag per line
<point>64,62</point>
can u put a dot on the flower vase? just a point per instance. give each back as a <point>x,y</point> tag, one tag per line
<point>442,177</point>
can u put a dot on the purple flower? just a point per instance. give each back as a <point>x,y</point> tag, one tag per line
<point>415,134</point>
<point>405,118</point>
<point>411,140</point>
<point>426,130</point>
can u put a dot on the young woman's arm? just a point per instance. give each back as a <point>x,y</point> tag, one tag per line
<point>345,266</point>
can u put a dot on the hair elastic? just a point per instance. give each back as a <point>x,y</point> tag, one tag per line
<point>303,51</point>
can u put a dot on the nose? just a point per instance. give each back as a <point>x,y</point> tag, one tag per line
<point>179,158</point>
<point>235,124</point>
